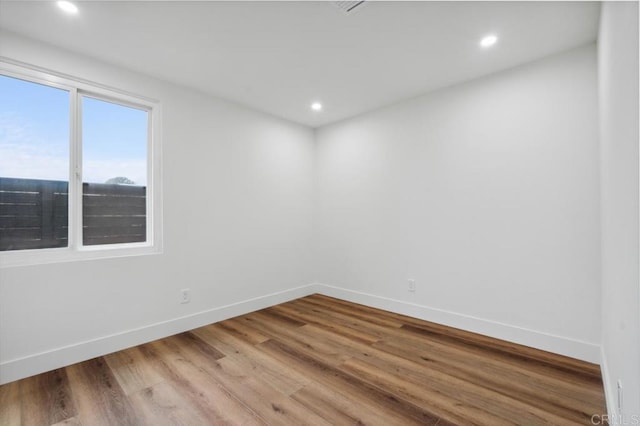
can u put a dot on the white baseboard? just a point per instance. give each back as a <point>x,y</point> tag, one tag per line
<point>610,388</point>
<point>548,342</point>
<point>56,358</point>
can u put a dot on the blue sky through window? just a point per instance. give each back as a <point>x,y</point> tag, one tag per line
<point>114,142</point>
<point>34,135</point>
<point>34,130</point>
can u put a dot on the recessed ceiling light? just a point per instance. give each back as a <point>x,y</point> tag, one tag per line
<point>316,106</point>
<point>68,7</point>
<point>488,41</point>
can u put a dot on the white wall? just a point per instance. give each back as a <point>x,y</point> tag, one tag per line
<point>237,225</point>
<point>618,75</point>
<point>486,193</point>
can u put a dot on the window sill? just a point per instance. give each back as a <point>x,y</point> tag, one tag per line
<point>17,258</point>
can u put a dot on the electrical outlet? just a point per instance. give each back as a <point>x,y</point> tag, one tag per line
<point>185,295</point>
<point>620,397</point>
<point>412,285</point>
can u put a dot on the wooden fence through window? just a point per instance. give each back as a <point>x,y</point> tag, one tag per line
<point>35,214</point>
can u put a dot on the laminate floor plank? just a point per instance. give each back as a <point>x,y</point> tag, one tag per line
<point>98,397</point>
<point>577,366</point>
<point>132,371</point>
<point>314,319</point>
<point>281,319</point>
<point>347,384</point>
<point>517,357</point>
<point>515,360</point>
<point>162,404</point>
<point>265,397</point>
<point>11,404</point>
<point>192,341</point>
<point>217,403</point>
<point>457,409</point>
<point>209,335</point>
<point>441,381</point>
<point>480,405</point>
<point>344,409</point>
<point>265,400</point>
<point>345,320</point>
<point>457,379</point>
<point>354,312</point>
<point>299,340</point>
<point>493,386</point>
<point>50,390</point>
<point>73,421</point>
<point>271,370</point>
<point>237,327</point>
<point>460,359</point>
<point>314,361</point>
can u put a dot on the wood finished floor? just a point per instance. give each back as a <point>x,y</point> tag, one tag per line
<point>317,361</point>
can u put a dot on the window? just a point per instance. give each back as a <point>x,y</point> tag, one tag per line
<point>114,172</point>
<point>79,170</point>
<point>34,165</point>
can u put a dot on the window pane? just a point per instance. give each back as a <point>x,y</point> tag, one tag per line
<point>34,165</point>
<point>114,173</point>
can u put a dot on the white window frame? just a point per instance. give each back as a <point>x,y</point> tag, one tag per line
<point>75,250</point>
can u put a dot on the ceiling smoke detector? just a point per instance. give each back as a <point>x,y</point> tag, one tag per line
<point>348,6</point>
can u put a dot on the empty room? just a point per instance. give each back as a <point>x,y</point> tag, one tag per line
<point>319,212</point>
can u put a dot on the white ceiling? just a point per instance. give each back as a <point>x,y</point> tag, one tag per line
<point>278,57</point>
